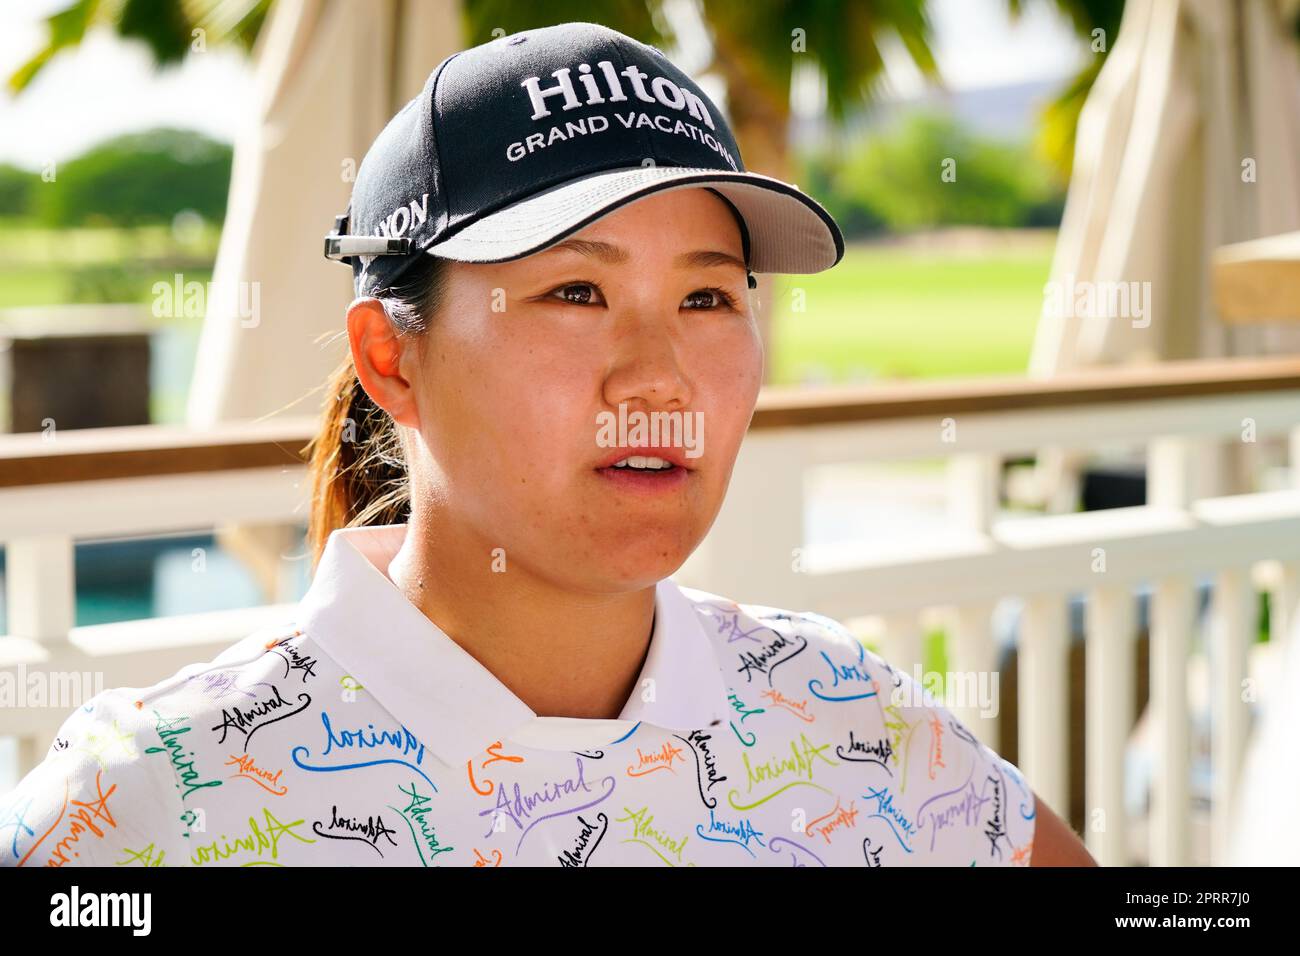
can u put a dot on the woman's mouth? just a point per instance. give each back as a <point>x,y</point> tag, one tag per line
<point>644,463</point>
<point>646,474</point>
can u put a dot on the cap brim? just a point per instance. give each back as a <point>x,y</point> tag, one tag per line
<point>788,230</point>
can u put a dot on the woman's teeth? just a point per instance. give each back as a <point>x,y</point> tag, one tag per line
<point>643,463</point>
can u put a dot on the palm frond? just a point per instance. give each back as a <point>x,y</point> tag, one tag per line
<point>169,29</point>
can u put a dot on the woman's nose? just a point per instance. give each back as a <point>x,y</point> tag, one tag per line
<point>648,367</point>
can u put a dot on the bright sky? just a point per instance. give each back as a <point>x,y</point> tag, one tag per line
<point>108,86</point>
<point>977,45</point>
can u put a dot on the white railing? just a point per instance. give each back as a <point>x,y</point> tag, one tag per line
<point>110,482</point>
<point>135,481</point>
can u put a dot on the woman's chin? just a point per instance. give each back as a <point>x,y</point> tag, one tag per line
<point>638,562</point>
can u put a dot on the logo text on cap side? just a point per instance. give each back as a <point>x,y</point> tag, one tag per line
<point>397,222</point>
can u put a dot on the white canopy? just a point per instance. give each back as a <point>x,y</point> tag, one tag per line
<point>329,75</point>
<point>1190,139</point>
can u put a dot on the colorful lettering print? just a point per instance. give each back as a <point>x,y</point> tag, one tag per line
<point>273,755</point>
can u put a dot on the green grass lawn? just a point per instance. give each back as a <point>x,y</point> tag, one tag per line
<point>894,311</point>
<point>24,242</point>
<point>37,285</point>
<point>46,285</point>
<point>43,266</point>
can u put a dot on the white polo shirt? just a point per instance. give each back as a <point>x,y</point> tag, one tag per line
<point>361,734</point>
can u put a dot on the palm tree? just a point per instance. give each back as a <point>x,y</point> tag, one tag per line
<point>1060,117</point>
<point>755,44</point>
<point>169,29</point>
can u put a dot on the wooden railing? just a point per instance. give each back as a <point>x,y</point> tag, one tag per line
<point>55,491</point>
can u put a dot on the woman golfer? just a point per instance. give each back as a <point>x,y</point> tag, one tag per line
<point>553,361</point>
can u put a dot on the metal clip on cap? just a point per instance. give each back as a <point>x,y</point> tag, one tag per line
<point>332,239</point>
<point>339,245</point>
<point>343,247</point>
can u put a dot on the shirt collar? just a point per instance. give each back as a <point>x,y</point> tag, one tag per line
<point>453,704</point>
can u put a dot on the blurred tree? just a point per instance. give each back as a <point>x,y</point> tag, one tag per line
<point>897,178</point>
<point>1097,24</point>
<point>755,43</point>
<point>140,178</point>
<point>15,190</point>
<point>820,174</point>
<point>170,29</point>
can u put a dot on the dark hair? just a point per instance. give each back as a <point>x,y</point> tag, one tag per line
<point>357,466</point>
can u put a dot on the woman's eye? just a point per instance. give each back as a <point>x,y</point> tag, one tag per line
<point>588,293</point>
<point>713,298</point>
<point>576,293</point>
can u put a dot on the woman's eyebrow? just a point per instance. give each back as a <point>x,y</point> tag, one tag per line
<point>709,257</point>
<point>615,255</point>
<point>604,251</point>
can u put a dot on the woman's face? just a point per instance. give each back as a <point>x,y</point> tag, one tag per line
<point>520,379</point>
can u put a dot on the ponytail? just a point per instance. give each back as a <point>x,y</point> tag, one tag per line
<point>356,463</point>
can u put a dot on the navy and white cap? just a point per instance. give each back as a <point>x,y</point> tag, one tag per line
<point>516,144</point>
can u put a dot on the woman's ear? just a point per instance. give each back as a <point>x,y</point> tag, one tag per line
<point>377,356</point>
